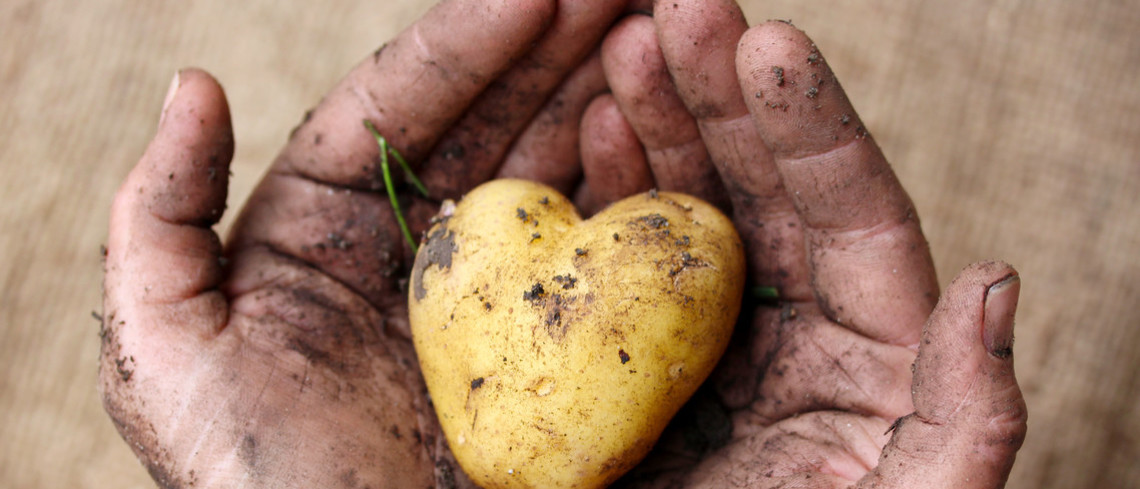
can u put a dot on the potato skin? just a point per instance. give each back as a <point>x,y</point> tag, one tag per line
<point>556,350</point>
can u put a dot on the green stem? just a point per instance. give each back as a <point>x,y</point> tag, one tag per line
<point>386,171</point>
<point>762,292</point>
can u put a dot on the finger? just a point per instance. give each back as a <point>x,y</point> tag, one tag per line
<point>970,416</point>
<point>470,153</point>
<point>162,256</point>
<point>870,264</point>
<point>613,162</point>
<point>412,89</point>
<point>321,203</point>
<point>547,151</point>
<point>698,40</point>
<point>641,86</point>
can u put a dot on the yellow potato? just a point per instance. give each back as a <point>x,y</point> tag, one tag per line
<point>555,349</point>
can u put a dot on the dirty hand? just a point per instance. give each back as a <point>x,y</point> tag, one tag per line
<point>283,358</point>
<point>810,390</point>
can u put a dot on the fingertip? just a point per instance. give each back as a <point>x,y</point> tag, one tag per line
<point>699,40</point>
<point>968,336</point>
<point>799,105</point>
<point>185,170</point>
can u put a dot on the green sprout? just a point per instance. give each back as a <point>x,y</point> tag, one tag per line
<point>761,292</point>
<point>385,150</point>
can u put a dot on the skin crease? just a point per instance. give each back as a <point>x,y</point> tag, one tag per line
<point>215,357</point>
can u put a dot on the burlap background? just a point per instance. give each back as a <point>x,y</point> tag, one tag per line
<point>1014,124</point>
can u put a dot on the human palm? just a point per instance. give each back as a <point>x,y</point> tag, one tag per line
<point>283,359</point>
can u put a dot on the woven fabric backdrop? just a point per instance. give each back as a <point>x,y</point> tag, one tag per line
<point>1014,125</point>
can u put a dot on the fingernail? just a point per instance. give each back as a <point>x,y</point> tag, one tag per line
<point>170,93</point>
<point>1000,307</point>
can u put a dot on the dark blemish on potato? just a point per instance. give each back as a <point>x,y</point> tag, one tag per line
<point>653,193</point>
<point>812,92</point>
<point>553,322</point>
<point>521,214</point>
<point>477,383</point>
<point>535,236</point>
<point>544,200</point>
<point>580,252</point>
<point>554,317</point>
<point>438,249</point>
<point>813,58</point>
<point>376,54</point>
<point>535,293</point>
<point>487,306</point>
<point>687,261</point>
<point>623,356</point>
<point>655,221</point>
<point>860,132</point>
<point>779,72</point>
<point>684,241</point>
<point>212,173</point>
<point>845,119</point>
<point>616,237</point>
<point>567,281</point>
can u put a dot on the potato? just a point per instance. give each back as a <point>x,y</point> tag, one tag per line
<point>556,350</point>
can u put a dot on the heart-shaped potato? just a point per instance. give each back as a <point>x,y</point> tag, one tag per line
<point>555,349</point>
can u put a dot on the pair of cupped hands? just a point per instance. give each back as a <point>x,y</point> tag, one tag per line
<point>282,357</point>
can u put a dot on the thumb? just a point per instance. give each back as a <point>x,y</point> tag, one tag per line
<point>162,257</point>
<point>970,416</point>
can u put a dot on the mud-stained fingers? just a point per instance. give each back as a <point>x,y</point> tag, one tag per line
<point>613,161</point>
<point>161,252</point>
<point>547,150</point>
<point>870,264</point>
<point>970,417</point>
<point>470,153</point>
<point>413,88</point>
<point>640,81</point>
<point>698,40</point>
<point>323,202</point>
